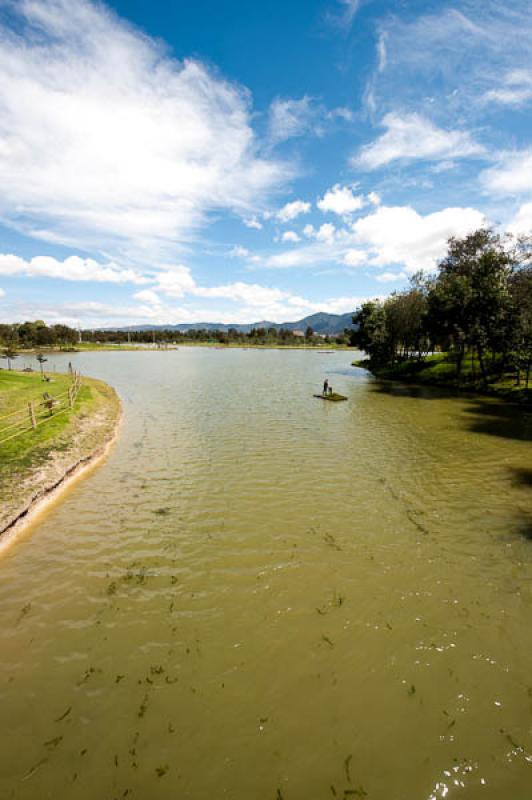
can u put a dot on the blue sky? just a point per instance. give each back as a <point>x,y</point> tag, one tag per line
<point>234,161</point>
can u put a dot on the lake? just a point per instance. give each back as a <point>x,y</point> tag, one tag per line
<point>263,596</point>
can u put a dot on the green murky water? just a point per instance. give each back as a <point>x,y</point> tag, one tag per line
<point>264,596</point>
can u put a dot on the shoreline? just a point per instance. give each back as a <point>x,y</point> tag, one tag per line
<point>55,484</point>
<point>519,397</point>
<point>129,348</point>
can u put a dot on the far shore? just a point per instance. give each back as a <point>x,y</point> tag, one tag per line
<point>126,347</point>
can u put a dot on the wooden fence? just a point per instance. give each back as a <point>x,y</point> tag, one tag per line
<point>33,415</point>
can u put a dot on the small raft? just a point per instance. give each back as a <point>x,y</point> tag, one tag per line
<point>334,397</point>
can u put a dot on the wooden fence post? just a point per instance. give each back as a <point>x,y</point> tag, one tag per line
<point>32,415</point>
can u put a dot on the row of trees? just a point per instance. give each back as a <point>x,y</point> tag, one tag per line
<point>261,336</point>
<point>479,302</point>
<point>38,334</point>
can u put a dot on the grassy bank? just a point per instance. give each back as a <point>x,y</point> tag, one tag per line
<point>37,459</point>
<point>440,370</point>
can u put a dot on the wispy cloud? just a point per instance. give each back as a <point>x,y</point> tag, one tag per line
<point>515,89</point>
<point>107,142</point>
<point>290,118</point>
<point>412,136</point>
<point>72,268</point>
<point>450,59</point>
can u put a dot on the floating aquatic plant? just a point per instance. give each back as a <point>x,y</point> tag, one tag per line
<point>65,715</point>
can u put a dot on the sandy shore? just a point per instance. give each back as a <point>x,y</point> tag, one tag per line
<point>44,487</point>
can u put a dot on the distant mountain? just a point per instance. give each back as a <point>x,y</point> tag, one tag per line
<point>320,323</point>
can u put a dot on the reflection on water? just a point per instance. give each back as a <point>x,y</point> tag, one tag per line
<point>263,596</point>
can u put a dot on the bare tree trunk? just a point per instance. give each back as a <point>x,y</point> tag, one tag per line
<point>482,365</point>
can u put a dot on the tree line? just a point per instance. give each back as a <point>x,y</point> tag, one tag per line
<point>28,335</point>
<point>478,303</point>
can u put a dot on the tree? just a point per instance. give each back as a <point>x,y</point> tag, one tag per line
<point>520,286</point>
<point>469,301</point>
<point>42,360</point>
<point>10,354</point>
<point>370,333</point>
<point>309,333</point>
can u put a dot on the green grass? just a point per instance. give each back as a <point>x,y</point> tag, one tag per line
<point>440,370</point>
<point>22,456</point>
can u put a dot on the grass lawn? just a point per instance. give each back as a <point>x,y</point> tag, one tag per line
<point>440,370</point>
<point>72,434</point>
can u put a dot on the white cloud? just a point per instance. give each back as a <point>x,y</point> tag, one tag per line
<point>374,198</point>
<point>511,175</point>
<point>454,57</point>
<point>411,136</point>
<point>176,281</point>
<point>391,277</point>
<point>353,258</point>
<point>340,200</point>
<point>148,296</point>
<point>290,118</point>
<point>522,222</point>
<point>515,89</point>
<point>292,210</point>
<point>253,222</point>
<point>290,236</point>
<point>105,141</point>
<point>399,235</point>
<point>239,252</point>
<point>388,236</point>
<point>381,52</point>
<point>2,293</point>
<point>325,233</point>
<point>72,268</point>
<point>343,18</point>
<point>251,294</point>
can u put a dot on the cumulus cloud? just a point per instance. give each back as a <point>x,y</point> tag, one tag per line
<point>106,141</point>
<point>176,281</point>
<point>522,222</point>
<point>253,222</point>
<point>512,174</point>
<point>290,236</point>
<point>148,296</point>
<point>354,258</point>
<point>72,268</point>
<point>325,233</point>
<point>399,235</point>
<point>412,136</point>
<point>292,210</point>
<point>390,235</point>
<point>340,200</point>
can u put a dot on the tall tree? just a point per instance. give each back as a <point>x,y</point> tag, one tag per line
<point>470,301</point>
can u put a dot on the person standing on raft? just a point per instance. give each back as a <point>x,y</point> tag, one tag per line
<point>325,385</point>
